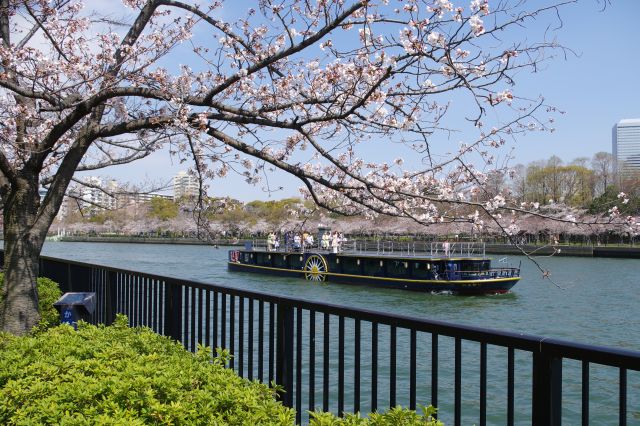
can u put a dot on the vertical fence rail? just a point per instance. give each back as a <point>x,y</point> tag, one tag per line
<point>284,355</point>
<point>312,361</point>
<point>371,345</point>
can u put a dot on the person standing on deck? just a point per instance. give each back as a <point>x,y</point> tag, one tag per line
<point>271,238</point>
<point>335,242</point>
<point>325,241</point>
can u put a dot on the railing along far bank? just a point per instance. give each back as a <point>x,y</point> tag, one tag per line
<point>344,359</point>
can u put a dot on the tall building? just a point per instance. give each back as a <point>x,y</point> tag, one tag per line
<point>626,145</point>
<point>95,193</point>
<point>185,185</point>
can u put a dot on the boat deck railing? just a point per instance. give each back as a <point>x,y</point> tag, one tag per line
<point>442,249</point>
<point>493,273</point>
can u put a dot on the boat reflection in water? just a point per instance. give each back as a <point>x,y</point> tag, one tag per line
<point>459,268</point>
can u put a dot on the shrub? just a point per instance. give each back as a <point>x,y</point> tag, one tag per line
<point>48,293</point>
<point>394,417</point>
<point>122,375</point>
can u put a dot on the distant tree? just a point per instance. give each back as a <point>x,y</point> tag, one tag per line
<point>580,162</point>
<point>610,198</point>
<point>550,180</point>
<point>518,183</point>
<point>274,212</point>
<point>291,85</point>
<point>629,183</point>
<point>537,183</point>
<point>602,165</point>
<point>494,185</point>
<point>162,208</point>
<point>553,172</point>
<point>577,185</point>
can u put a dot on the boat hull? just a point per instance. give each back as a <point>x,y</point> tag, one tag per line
<point>466,287</point>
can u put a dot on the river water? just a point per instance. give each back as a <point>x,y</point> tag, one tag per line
<point>594,301</point>
<point>598,302</point>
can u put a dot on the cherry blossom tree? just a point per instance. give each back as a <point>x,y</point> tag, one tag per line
<point>303,86</point>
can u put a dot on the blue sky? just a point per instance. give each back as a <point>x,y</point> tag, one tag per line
<point>596,87</point>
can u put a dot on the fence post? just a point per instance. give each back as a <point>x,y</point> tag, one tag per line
<point>67,280</point>
<point>111,296</point>
<point>173,311</point>
<point>547,388</point>
<point>284,352</point>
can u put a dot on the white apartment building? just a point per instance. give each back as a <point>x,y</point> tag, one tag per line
<point>125,199</point>
<point>626,145</point>
<point>96,194</point>
<point>99,195</point>
<point>185,185</point>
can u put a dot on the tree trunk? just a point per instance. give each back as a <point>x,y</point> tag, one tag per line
<point>22,246</point>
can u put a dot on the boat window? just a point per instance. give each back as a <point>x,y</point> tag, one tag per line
<point>421,270</point>
<point>470,265</point>
<point>262,259</point>
<point>397,268</point>
<point>350,265</point>
<point>294,261</point>
<point>333,263</point>
<point>279,261</point>
<point>371,267</point>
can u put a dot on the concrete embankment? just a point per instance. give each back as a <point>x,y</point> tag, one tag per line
<point>624,252</point>
<point>579,251</point>
<point>564,250</point>
<point>140,240</point>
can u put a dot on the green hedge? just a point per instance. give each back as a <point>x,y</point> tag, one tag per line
<point>132,376</point>
<point>48,293</point>
<point>121,375</point>
<point>394,417</point>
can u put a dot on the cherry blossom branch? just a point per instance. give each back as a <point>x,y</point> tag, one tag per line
<point>28,93</point>
<point>54,43</point>
<point>286,52</point>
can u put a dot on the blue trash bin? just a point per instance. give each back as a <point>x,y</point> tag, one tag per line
<point>76,306</point>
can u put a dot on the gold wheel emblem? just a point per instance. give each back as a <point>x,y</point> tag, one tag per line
<point>315,268</point>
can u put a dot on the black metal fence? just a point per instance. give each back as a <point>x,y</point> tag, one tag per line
<point>335,358</point>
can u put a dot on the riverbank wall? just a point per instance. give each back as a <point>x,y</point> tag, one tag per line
<point>138,240</point>
<point>564,250</point>
<point>561,250</point>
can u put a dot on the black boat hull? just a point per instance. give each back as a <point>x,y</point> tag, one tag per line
<point>463,287</point>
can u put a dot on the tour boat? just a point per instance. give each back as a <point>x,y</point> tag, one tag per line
<point>458,268</point>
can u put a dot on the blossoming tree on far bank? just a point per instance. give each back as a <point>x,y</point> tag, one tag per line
<point>299,86</point>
